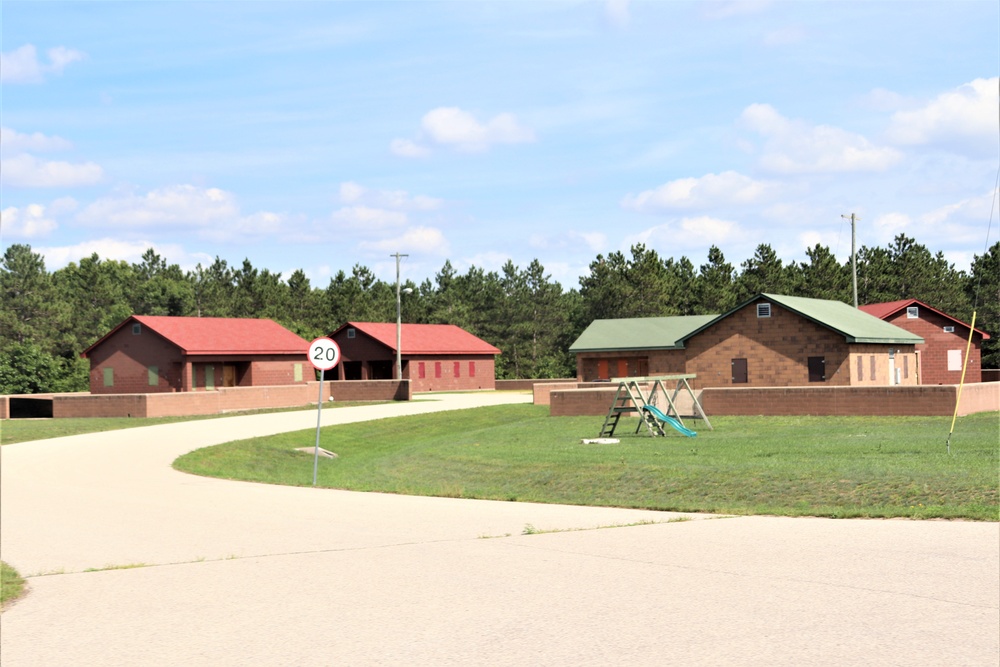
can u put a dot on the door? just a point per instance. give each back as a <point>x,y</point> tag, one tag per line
<point>892,367</point>
<point>228,376</point>
<point>739,371</point>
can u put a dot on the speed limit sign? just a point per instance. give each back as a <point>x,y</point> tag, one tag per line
<point>324,354</point>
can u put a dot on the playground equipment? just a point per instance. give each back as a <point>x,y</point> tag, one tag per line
<point>632,397</point>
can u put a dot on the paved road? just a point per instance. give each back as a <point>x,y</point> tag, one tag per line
<point>248,574</point>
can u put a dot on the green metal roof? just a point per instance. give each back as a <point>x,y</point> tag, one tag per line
<point>638,333</point>
<point>855,325</point>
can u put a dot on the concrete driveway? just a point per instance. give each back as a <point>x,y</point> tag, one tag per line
<point>133,563</point>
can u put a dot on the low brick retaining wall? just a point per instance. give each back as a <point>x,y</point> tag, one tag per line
<point>921,400</point>
<point>225,399</point>
<point>528,385</point>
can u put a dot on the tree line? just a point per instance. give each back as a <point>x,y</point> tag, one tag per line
<point>48,318</point>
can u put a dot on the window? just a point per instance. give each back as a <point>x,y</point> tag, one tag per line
<point>739,371</point>
<point>298,372</point>
<point>817,369</point>
<point>873,367</point>
<point>458,369</point>
<point>763,310</point>
<point>351,333</point>
<point>472,369</point>
<point>154,376</point>
<point>437,369</point>
<point>109,377</point>
<point>421,370</point>
<point>861,368</point>
<point>949,329</point>
<point>209,377</point>
<point>906,366</point>
<point>954,360</point>
<point>136,329</point>
<point>912,312</point>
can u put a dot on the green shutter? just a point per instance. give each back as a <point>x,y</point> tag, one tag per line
<point>298,372</point>
<point>210,377</point>
<point>154,376</point>
<point>109,377</point>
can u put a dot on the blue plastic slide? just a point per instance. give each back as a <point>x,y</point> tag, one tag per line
<point>679,427</point>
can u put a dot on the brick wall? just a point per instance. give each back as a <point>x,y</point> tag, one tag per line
<point>129,357</point>
<point>224,399</point>
<point>776,349</point>
<point>596,399</point>
<point>439,373</point>
<point>528,385</point>
<point>541,392</point>
<point>937,342</point>
<point>901,400</point>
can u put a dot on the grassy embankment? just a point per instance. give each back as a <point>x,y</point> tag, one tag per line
<point>819,466</point>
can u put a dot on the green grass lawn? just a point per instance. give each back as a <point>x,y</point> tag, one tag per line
<point>11,584</point>
<point>818,466</point>
<point>23,430</point>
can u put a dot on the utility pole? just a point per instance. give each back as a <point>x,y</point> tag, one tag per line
<point>854,256</point>
<point>399,321</point>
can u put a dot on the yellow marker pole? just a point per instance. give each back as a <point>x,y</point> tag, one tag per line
<point>961,383</point>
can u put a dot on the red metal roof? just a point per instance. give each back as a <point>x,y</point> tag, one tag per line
<point>219,335</point>
<point>885,310</point>
<point>420,339</point>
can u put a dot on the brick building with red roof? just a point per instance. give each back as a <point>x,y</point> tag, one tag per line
<point>151,354</point>
<point>940,356</point>
<point>435,357</point>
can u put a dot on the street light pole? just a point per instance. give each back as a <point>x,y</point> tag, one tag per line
<point>854,257</point>
<point>399,321</point>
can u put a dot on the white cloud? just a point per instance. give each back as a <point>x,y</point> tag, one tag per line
<point>724,9</point>
<point>426,240</point>
<point>451,126</point>
<point>368,217</point>
<point>408,148</point>
<point>106,248</point>
<point>793,146</point>
<point>694,232</point>
<point>888,225</point>
<point>27,171</point>
<point>28,222</point>
<point>400,200</point>
<point>973,209</point>
<point>966,116</point>
<point>617,13</point>
<point>22,65</point>
<point>12,142</point>
<point>175,206</point>
<point>729,187</point>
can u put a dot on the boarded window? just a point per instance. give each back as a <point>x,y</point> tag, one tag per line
<point>421,370</point>
<point>906,366</point>
<point>437,369</point>
<point>209,377</point>
<point>763,310</point>
<point>109,377</point>
<point>298,372</point>
<point>739,371</point>
<point>817,369</point>
<point>873,367</point>
<point>861,368</point>
<point>954,360</point>
<point>472,369</point>
<point>458,369</point>
<point>154,376</point>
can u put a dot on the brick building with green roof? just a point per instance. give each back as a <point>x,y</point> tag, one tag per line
<point>769,340</point>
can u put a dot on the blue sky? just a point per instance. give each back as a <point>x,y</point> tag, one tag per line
<point>320,135</point>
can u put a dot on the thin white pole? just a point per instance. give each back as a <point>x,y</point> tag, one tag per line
<point>319,415</point>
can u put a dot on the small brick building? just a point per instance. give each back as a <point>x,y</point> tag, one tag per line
<point>768,341</point>
<point>940,357</point>
<point>149,354</point>
<point>435,357</point>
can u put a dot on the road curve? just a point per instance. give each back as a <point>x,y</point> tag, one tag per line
<point>133,563</point>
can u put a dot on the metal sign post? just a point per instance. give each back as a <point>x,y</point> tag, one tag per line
<point>324,355</point>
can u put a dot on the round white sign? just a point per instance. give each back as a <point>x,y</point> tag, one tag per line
<point>324,354</point>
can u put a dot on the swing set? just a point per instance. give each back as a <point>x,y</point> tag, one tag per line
<point>632,397</point>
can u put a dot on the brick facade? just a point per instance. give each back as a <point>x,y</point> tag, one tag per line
<point>139,360</point>
<point>938,344</point>
<point>775,352</point>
